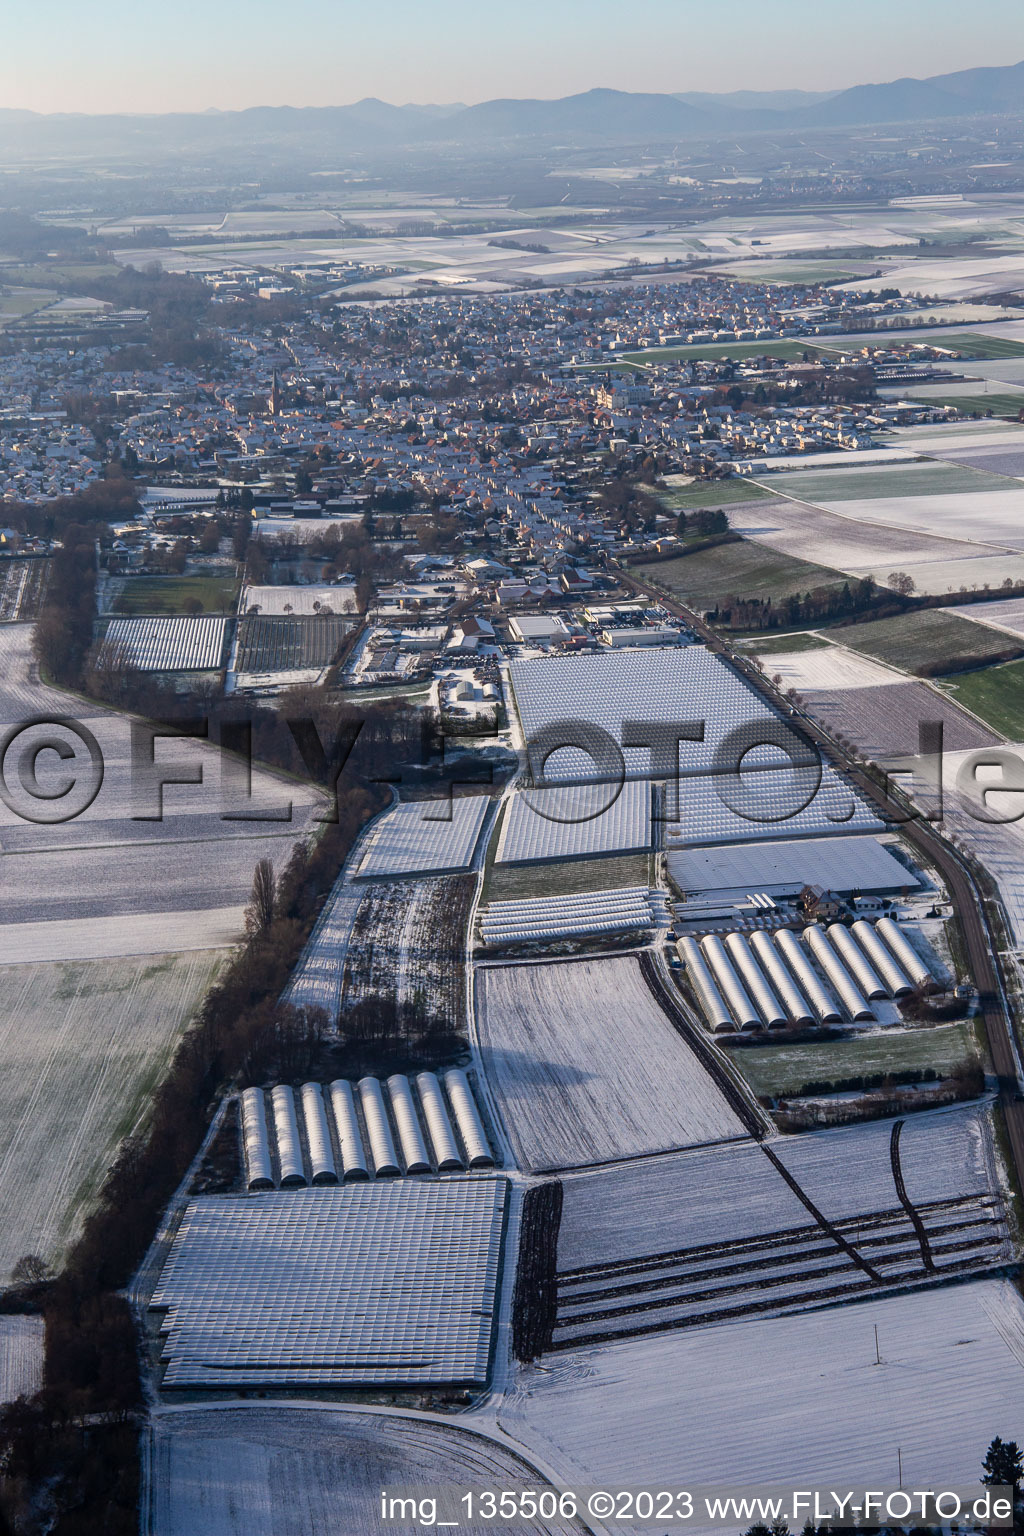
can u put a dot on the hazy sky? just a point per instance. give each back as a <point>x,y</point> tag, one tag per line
<point>126,55</point>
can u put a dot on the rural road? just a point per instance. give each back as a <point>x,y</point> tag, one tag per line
<point>964,894</point>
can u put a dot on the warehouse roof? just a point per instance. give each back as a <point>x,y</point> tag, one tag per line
<point>785,867</point>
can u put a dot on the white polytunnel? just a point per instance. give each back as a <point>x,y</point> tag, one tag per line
<point>318,1135</point>
<point>753,978</point>
<point>846,988</point>
<point>378,1131</point>
<point>286,1129</point>
<point>778,973</point>
<point>736,996</point>
<point>255,1140</point>
<point>439,1127</point>
<point>467,1119</point>
<point>891,972</point>
<point>706,990</point>
<point>905,953</point>
<point>414,1150</point>
<point>789,949</point>
<point>346,1125</point>
<point>857,962</point>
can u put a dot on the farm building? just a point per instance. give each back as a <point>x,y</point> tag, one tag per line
<point>538,628</point>
<point>706,809</point>
<point>783,868</point>
<point>651,686</point>
<point>182,644</point>
<point>367,1285</point>
<point>362,1130</point>
<point>575,821</point>
<point>420,837</point>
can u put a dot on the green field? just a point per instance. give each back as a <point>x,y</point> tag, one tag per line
<point>929,636</point>
<point>885,482</point>
<point>168,594</point>
<point>788,272</point>
<point>976,405</point>
<point>739,569</point>
<point>784,1069</point>
<point>995,695</point>
<point>980,346</point>
<point>772,645</point>
<point>713,493</point>
<point>565,877</point>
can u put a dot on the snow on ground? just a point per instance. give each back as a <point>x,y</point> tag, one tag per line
<point>836,667</point>
<point>82,1045</point>
<point>1007,614</point>
<point>993,517</point>
<point>586,1068</point>
<point>21,1357</point>
<point>317,598</point>
<point>316,980</point>
<point>885,723</point>
<point>723,1194</point>
<point>802,1397</point>
<point>265,1471</point>
<point>100,938</point>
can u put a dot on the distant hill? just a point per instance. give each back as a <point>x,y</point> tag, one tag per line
<point>599,116</point>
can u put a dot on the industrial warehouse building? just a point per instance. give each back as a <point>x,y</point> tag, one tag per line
<point>783,869</point>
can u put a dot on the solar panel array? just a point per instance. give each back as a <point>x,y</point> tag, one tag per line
<point>411,840</point>
<point>361,1285</point>
<point>698,815</point>
<point>575,820</point>
<point>835,863</point>
<point>650,685</point>
<point>170,645</point>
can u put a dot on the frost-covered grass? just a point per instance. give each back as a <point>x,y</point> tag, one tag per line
<point>791,1401</point>
<point>586,1067</point>
<point>21,1356</point>
<point>740,569</point>
<point>930,637</point>
<point>264,1471</point>
<point>866,482</point>
<point>786,1068</point>
<point>82,1047</point>
<point>835,667</point>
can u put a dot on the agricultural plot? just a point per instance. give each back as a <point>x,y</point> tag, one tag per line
<point>870,482</point>
<point>82,1045</point>
<point>644,685</point>
<point>1002,613</point>
<point>835,667</point>
<point>316,981</point>
<point>22,584</point>
<point>932,638</point>
<point>268,643</point>
<point>884,722</point>
<point>21,1357</point>
<point>771,645</point>
<point>947,1356</point>
<point>740,569</point>
<point>995,695</point>
<point>564,877</point>
<point>575,821</point>
<point>587,1068</point>
<point>752,806</point>
<point>176,594</point>
<point>404,1276</point>
<point>988,516</point>
<point>785,1069</point>
<point>245,1471</point>
<point>684,494</point>
<point>1004,460</point>
<point>408,942</point>
<point>306,601</point>
<point>418,837</point>
<point>169,645</point>
<point>841,543</point>
<point>996,403</point>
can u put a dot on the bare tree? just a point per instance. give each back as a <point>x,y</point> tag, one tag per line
<point>259,914</point>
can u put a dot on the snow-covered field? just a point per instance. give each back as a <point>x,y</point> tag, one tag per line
<point>282,1471</point>
<point>993,517</point>
<point>316,980</point>
<point>21,1356</point>
<point>317,598</point>
<point>791,1401</point>
<point>1007,614</point>
<point>586,1067</point>
<point>82,1046</point>
<point>836,667</point>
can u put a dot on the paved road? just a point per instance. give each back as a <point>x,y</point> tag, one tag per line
<point>982,951</point>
